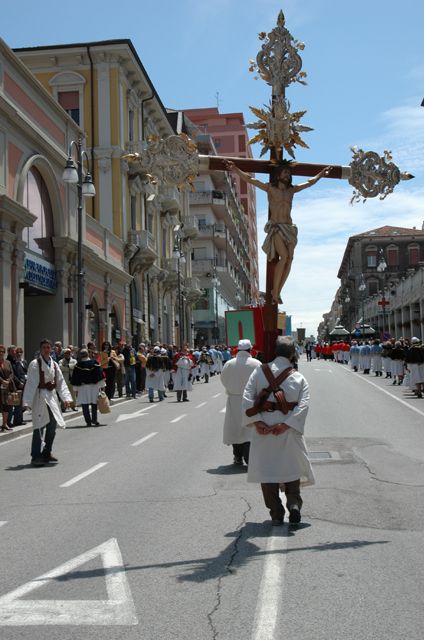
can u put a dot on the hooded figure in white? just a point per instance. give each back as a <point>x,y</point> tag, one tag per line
<point>278,455</point>
<point>234,377</point>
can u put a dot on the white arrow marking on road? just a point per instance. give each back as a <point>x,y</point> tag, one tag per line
<point>84,474</point>
<point>202,404</point>
<point>179,418</point>
<point>216,395</point>
<point>270,591</point>
<point>3,522</point>
<point>118,609</point>
<point>135,444</point>
<point>136,414</point>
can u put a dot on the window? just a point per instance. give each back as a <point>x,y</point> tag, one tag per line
<point>373,287</point>
<point>200,253</point>
<point>37,200</point>
<point>392,254</point>
<point>69,100</point>
<point>133,212</point>
<point>371,255</point>
<point>242,143</point>
<point>202,223</point>
<point>414,254</point>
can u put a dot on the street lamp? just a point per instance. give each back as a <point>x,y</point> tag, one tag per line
<point>179,255</point>
<point>215,283</point>
<point>362,287</point>
<point>73,175</point>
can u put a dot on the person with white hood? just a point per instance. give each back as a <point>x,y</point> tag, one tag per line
<point>45,380</point>
<point>234,376</point>
<point>182,373</point>
<point>275,404</point>
<point>155,375</point>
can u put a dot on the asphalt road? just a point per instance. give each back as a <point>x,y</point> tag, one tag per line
<point>146,530</point>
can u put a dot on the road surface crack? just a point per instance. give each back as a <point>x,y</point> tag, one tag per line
<point>228,570</point>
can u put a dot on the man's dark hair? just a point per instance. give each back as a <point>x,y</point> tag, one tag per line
<point>275,173</point>
<point>284,347</point>
<point>45,341</point>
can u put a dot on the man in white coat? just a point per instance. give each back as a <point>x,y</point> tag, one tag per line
<point>234,376</point>
<point>45,380</point>
<point>278,455</point>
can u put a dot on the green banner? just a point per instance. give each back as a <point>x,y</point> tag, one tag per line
<point>239,326</point>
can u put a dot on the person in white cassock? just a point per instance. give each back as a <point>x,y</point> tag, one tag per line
<point>234,376</point>
<point>275,405</point>
<point>45,380</point>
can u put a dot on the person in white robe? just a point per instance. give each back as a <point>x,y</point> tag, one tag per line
<point>234,377</point>
<point>45,380</point>
<point>155,380</point>
<point>278,456</point>
<point>182,373</point>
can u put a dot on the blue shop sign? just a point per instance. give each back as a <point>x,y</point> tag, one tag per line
<point>39,273</point>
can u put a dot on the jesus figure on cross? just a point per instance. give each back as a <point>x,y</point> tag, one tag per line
<point>281,233</point>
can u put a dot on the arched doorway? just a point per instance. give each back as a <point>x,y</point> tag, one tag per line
<point>40,284</point>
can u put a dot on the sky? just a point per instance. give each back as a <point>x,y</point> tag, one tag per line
<point>365,73</point>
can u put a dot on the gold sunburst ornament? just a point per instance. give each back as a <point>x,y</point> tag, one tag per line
<point>278,128</point>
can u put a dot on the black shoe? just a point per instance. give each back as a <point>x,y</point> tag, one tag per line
<point>277,522</point>
<point>238,460</point>
<point>97,424</point>
<point>37,462</point>
<point>294,517</point>
<point>47,457</point>
<point>88,424</point>
<point>186,400</point>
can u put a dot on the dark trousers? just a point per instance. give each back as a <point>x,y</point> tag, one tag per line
<point>130,385</point>
<point>183,394</point>
<point>50,428</point>
<point>110,381</point>
<point>89,418</point>
<point>271,494</point>
<point>242,451</point>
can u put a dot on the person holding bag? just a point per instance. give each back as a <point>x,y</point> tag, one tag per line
<point>87,378</point>
<point>6,385</point>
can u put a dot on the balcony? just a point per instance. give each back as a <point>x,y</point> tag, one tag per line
<point>169,199</point>
<point>146,244</point>
<point>208,197</point>
<point>192,289</point>
<point>190,227</point>
<point>170,265</point>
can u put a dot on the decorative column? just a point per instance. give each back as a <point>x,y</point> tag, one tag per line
<point>6,258</point>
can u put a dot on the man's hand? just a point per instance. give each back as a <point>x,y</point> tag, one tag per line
<point>262,428</point>
<point>279,428</point>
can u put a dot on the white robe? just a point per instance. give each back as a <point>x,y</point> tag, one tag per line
<point>39,399</point>
<point>181,376</point>
<point>282,458</point>
<point>234,377</point>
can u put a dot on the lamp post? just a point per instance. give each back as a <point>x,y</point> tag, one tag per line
<point>74,175</point>
<point>381,268</point>
<point>362,287</point>
<point>179,255</point>
<point>215,283</point>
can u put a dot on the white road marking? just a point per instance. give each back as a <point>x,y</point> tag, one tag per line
<point>3,522</point>
<point>135,444</point>
<point>216,395</point>
<point>26,435</point>
<point>84,474</point>
<point>179,418</point>
<point>202,404</point>
<point>118,609</point>
<point>270,590</point>
<point>223,410</point>
<point>406,404</point>
<point>136,414</point>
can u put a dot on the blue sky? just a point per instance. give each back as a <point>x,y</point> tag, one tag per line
<point>365,66</point>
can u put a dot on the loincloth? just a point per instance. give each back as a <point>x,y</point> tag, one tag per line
<point>288,232</point>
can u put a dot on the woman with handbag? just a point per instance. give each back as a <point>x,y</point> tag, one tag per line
<point>109,364</point>
<point>87,378</point>
<point>6,385</point>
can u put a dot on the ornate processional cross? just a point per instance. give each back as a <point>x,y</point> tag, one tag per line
<point>175,161</point>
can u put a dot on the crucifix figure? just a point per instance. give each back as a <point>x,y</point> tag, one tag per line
<point>281,238</point>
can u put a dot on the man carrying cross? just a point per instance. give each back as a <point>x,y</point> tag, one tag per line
<point>281,233</point>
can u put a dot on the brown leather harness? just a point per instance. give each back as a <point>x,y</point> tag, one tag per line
<point>43,384</point>
<point>263,404</point>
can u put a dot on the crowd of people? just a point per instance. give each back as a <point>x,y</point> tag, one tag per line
<point>401,360</point>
